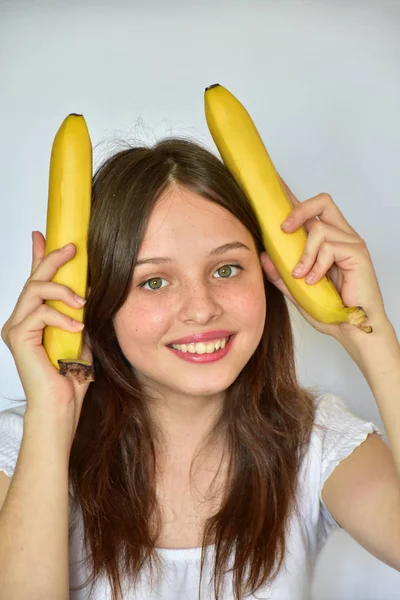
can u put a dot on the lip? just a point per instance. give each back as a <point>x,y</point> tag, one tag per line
<point>204,358</point>
<point>207,336</point>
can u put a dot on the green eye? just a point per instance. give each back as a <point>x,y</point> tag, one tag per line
<point>156,282</point>
<point>226,271</point>
<point>153,284</point>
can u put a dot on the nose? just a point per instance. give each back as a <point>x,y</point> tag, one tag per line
<point>199,304</point>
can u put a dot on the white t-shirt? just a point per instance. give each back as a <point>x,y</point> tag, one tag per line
<point>180,577</point>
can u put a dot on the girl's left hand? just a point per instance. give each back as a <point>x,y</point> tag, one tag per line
<point>335,249</point>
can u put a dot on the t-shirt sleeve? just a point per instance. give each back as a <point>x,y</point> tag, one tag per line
<point>343,433</point>
<point>11,430</point>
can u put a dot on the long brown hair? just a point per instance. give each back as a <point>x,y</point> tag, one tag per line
<point>267,417</point>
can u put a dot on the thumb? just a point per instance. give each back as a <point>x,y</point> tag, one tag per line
<point>38,249</point>
<point>269,268</point>
<point>82,382</point>
<point>273,276</point>
<point>86,353</point>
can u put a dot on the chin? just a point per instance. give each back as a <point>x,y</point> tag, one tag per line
<point>210,389</point>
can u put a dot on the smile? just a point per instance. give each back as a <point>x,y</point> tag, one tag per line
<point>203,352</point>
<point>202,347</point>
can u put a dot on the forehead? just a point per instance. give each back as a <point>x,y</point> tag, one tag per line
<point>182,215</point>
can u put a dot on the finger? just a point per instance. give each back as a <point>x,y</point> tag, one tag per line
<point>44,271</point>
<point>293,199</point>
<point>269,268</point>
<point>317,235</point>
<point>346,256</point>
<point>36,292</point>
<point>295,202</point>
<point>273,275</point>
<point>30,330</point>
<point>86,353</point>
<point>38,249</point>
<point>47,267</point>
<point>321,206</point>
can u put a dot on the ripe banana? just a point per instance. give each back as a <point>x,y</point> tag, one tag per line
<point>245,155</point>
<point>68,214</point>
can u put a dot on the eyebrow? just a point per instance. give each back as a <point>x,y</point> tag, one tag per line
<point>161,260</point>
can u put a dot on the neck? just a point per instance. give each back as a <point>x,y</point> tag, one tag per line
<point>183,424</point>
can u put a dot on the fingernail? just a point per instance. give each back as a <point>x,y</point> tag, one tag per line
<point>286,224</point>
<point>77,324</point>
<point>310,277</point>
<point>298,268</point>
<point>66,247</point>
<point>79,300</point>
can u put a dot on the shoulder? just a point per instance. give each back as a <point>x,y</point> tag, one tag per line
<point>11,431</point>
<point>337,429</point>
<point>336,433</point>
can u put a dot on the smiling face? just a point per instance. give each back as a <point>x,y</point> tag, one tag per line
<point>195,291</point>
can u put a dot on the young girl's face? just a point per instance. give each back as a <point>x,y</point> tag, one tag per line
<point>191,285</point>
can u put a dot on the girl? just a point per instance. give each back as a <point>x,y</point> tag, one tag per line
<point>195,465</point>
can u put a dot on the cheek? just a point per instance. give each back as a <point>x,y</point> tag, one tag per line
<point>141,322</point>
<point>249,304</point>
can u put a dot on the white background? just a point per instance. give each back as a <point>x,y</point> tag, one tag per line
<point>321,80</point>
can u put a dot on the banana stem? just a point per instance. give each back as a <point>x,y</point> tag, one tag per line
<point>80,370</point>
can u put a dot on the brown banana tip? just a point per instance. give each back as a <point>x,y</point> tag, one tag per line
<point>366,328</point>
<point>80,370</point>
<point>75,115</point>
<point>212,86</point>
<point>357,317</point>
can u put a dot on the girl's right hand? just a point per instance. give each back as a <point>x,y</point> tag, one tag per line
<point>45,390</point>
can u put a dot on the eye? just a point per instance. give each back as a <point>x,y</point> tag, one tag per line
<point>154,284</point>
<point>227,270</point>
<point>224,272</point>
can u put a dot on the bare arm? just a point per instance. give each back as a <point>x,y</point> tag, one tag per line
<point>34,517</point>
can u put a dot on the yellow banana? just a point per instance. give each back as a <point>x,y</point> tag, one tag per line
<point>245,155</point>
<point>68,214</point>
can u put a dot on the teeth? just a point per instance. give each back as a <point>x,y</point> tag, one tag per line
<point>201,347</point>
